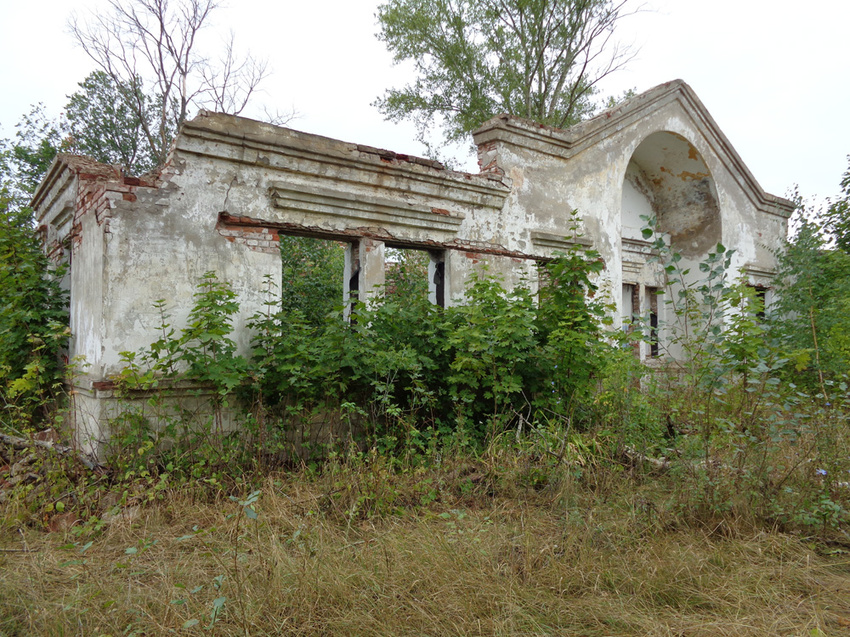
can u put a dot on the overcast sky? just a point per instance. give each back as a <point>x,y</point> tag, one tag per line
<point>773,73</point>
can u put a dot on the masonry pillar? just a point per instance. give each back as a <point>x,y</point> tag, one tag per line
<point>457,267</point>
<point>364,271</point>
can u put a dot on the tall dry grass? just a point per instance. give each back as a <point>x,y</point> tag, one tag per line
<point>490,555</point>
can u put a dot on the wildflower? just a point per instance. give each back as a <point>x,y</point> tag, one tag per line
<point>820,472</point>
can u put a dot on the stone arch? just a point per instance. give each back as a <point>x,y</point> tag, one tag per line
<point>668,177</point>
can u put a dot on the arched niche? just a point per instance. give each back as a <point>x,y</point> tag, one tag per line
<point>668,178</point>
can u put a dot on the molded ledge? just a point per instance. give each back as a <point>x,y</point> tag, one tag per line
<point>557,241</point>
<point>356,210</point>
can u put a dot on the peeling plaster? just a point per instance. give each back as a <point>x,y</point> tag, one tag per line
<point>232,186</point>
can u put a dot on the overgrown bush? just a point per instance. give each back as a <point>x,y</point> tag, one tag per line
<point>505,373</point>
<point>163,432</point>
<point>812,314</point>
<point>33,323</point>
<point>748,442</point>
<point>401,368</point>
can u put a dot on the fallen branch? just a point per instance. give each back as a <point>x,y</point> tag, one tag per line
<point>634,455</point>
<point>24,443</point>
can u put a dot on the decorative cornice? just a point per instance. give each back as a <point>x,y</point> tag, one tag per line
<point>359,210</point>
<point>354,166</point>
<point>557,241</point>
<point>758,272</point>
<point>641,246</point>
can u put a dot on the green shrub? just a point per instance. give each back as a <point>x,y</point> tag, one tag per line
<point>33,323</point>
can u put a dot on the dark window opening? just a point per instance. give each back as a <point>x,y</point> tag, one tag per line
<point>652,300</point>
<point>351,276</point>
<point>438,279</point>
<point>761,302</point>
<point>631,309</point>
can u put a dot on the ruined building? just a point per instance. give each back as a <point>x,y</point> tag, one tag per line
<point>232,186</point>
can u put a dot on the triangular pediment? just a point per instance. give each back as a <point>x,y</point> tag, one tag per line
<point>674,97</point>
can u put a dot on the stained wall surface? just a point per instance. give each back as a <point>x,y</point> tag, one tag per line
<point>232,186</point>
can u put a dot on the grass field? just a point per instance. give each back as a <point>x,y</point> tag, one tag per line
<point>466,548</point>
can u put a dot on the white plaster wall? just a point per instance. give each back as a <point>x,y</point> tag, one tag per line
<point>548,186</point>
<point>635,205</point>
<point>160,245</point>
<point>156,251</point>
<point>87,291</point>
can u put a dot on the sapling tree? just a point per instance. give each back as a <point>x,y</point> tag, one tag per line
<point>837,217</point>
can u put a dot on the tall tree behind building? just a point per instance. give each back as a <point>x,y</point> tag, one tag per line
<point>538,59</point>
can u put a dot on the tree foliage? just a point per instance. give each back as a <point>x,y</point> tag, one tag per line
<point>154,41</point>
<point>312,270</point>
<point>813,306</point>
<point>812,311</point>
<point>538,59</point>
<point>407,273</point>
<point>103,121</point>
<point>25,159</point>
<point>100,120</point>
<point>33,321</point>
<point>837,217</point>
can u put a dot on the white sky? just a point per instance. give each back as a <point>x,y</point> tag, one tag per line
<point>775,74</point>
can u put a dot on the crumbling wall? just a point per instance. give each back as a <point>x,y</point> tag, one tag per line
<point>233,186</point>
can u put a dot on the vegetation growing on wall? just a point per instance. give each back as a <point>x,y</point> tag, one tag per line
<point>406,376</point>
<point>748,431</point>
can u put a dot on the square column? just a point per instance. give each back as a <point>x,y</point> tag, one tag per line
<point>365,272</point>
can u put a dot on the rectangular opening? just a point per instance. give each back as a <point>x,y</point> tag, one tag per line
<point>631,304</point>
<point>437,278</point>
<point>312,276</point>
<point>652,306</point>
<point>631,309</point>
<point>351,278</point>
<point>409,273</point>
<point>761,301</point>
